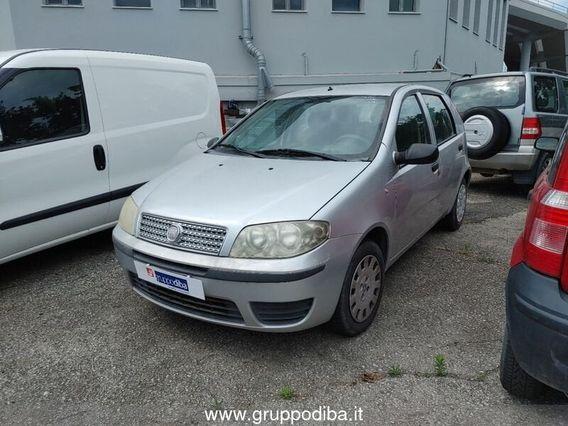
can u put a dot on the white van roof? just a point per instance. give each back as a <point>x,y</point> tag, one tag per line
<point>7,56</point>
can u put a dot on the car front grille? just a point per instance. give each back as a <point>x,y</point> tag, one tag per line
<point>195,237</point>
<point>281,313</point>
<point>211,308</point>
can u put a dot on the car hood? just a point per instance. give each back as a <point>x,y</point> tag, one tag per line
<point>235,191</point>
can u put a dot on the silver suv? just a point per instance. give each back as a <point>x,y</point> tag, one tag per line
<point>505,113</point>
<point>292,218</point>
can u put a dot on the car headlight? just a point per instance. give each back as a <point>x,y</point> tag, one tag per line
<point>279,240</point>
<point>128,216</point>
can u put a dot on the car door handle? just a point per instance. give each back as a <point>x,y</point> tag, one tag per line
<point>436,168</point>
<point>99,157</point>
<point>460,147</point>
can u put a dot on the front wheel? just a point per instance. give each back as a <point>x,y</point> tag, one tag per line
<point>361,292</point>
<point>453,221</point>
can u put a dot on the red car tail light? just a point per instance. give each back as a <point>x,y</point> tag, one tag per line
<point>531,128</point>
<point>543,246</point>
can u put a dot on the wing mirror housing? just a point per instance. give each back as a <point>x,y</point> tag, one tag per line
<point>547,144</point>
<point>418,153</point>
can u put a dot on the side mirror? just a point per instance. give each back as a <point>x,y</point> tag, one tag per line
<point>1,136</point>
<point>546,144</point>
<point>418,153</point>
<point>212,142</point>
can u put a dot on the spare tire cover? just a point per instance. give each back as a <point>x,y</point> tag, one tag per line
<point>487,132</point>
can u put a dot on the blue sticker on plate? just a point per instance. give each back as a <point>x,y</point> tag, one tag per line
<point>171,281</point>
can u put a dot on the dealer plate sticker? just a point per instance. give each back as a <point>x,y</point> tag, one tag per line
<point>183,284</point>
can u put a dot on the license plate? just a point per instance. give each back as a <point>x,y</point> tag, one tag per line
<point>180,283</point>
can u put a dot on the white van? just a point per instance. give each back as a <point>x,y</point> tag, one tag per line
<point>81,130</point>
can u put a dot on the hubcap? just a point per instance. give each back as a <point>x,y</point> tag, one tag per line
<point>461,202</point>
<point>479,131</point>
<point>365,288</point>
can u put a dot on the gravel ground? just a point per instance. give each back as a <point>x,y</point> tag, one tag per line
<point>78,346</point>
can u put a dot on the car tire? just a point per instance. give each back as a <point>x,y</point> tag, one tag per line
<point>487,131</point>
<point>514,379</point>
<point>453,221</point>
<point>360,289</point>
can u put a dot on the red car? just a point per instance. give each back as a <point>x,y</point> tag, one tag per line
<point>535,347</point>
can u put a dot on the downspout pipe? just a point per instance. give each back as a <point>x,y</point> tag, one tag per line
<point>264,80</point>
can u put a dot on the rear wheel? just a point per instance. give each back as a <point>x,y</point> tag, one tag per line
<point>453,221</point>
<point>361,292</point>
<point>513,378</point>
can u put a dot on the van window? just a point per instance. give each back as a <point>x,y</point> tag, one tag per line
<point>42,105</point>
<point>411,127</point>
<point>498,92</point>
<point>545,94</point>
<point>441,118</point>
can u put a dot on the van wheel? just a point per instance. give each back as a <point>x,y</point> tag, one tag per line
<point>453,221</point>
<point>487,131</point>
<point>513,378</point>
<point>361,292</point>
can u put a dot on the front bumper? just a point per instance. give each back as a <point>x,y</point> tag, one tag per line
<point>537,319</point>
<point>254,294</point>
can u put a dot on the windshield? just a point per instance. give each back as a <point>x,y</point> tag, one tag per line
<point>344,128</point>
<point>499,92</point>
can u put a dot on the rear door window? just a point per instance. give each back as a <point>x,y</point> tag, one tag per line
<point>563,85</point>
<point>441,118</point>
<point>411,127</point>
<point>42,105</point>
<point>545,93</point>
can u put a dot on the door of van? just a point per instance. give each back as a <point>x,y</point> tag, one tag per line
<point>154,111</point>
<point>54,182</point>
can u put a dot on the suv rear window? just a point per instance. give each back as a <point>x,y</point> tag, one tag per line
<point>498,92</point>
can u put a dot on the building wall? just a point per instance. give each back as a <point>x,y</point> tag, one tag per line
<point>7,40</point>
<point>339,47</point>
<point>470,53</point>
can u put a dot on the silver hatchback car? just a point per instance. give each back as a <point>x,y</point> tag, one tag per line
<point>293,217</point>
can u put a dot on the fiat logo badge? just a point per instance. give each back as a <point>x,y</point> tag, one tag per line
<point>174,233</point>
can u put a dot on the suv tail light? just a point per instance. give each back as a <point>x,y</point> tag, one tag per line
<point>223,123</point>
<point>543,245</point>
<point>531,128</point>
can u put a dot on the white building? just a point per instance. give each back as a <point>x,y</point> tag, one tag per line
<point>305,42</point>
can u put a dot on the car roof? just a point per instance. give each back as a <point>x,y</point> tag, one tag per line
<point>510,74</point>
<point>7,56</point>
<point>381,89</point>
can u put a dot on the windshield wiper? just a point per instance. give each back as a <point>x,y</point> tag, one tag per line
<point>237,149</point>
<point>291,152</point>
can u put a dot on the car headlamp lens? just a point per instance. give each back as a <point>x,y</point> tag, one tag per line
<point>128,216</point>
<point>279,240</point>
